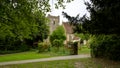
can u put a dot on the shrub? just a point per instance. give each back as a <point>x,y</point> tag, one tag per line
<point>83,36</point>
<point>73,48</point>
<point>24,47</point>
<point>43,46</point>
<point>57,43</point>
<point>106,46</point>
<point>58,35</point>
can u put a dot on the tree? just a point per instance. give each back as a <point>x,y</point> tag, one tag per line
<point>20,21</point>
<point>72,20</point>
<point>57,43</point>
<point>58,35</point>
<point>104,25</point>
<point>104,17</point>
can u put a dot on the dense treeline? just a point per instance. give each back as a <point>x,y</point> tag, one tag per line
<point>21,24</point>
<point>105,17</point>
<point>104,25</point>
<point>105,46</point>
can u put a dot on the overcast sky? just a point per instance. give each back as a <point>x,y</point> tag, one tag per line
<point>72,9</point>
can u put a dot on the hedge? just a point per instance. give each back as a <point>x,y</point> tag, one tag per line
<point>106,46</point>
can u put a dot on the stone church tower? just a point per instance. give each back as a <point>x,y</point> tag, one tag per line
<point>54,22</point>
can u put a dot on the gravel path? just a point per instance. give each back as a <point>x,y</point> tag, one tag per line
<point>45,59</point>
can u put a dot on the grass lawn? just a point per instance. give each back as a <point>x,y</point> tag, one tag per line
<point>23,56</point>
<point>84,50</point>
<point>32,55</point>
<point>28,55</point>
<point>35,55</point>
<point>74,63</point>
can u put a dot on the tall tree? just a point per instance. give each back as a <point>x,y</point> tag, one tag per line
<point>104,25</point>
<point>20,20</point>
<point>104,17</point>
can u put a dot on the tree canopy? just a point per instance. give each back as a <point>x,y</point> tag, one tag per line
<point>104,17</point>
<point>19,21</point>
<point>104,25</point>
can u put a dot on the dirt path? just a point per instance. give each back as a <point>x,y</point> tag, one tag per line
<point>45,59</point>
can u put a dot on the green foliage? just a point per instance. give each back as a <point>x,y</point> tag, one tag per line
<point>57,43</point>
<point>83,50</point>
<point>40,47</point>
<point>104,17</point>
<point>83,36</point>
<point>43,46</point>
<point>23,47</point>
<point>58,35</point>
<point>75,22</point>
<point>106,46</point>
<point>72,20</point>
<point>21,21</point>
<point>73,47</point>
<point>62,51</point>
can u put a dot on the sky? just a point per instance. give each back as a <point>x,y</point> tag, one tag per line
<point>74,8</point>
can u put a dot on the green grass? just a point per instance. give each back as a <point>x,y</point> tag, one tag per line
<point>23,56</point>
<point>32,55</point>
<point>84,50</point>
<point>74,63</point>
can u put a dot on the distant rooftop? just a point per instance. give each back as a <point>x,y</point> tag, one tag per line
<point>68,27</point>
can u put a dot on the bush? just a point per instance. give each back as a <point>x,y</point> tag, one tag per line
<point>57,35</point>
<point>13,47</point>
<point>73,47</point>
<point>43,46</point>
<point>106,46</point>
<point>83,36</point>
<point>24,47</point>
<point>62,51</point>
<point>57,43</point>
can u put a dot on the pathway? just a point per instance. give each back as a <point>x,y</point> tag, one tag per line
<point>46,59</point>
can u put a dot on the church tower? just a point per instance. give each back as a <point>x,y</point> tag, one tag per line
<point>53,23</point>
